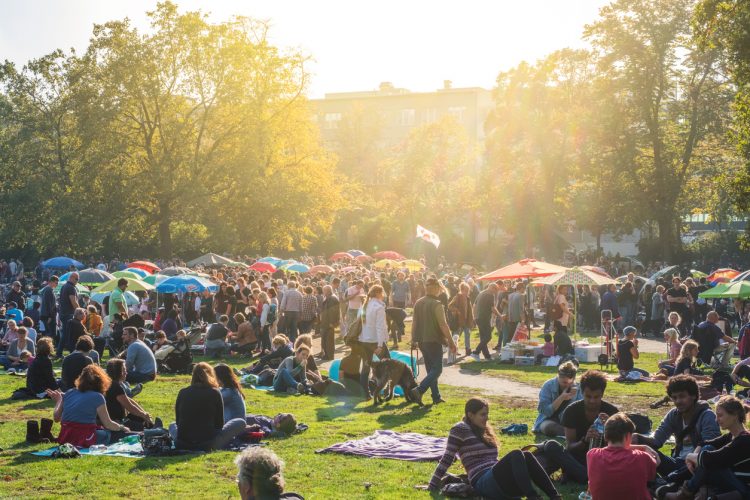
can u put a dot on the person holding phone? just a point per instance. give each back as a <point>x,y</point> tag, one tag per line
<point>556,394</point>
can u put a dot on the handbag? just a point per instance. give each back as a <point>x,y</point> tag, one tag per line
<point>353,331</point>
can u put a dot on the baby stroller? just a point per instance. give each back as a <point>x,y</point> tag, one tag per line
<point>176,357</point>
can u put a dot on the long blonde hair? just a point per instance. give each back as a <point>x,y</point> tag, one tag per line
<point>684,352</point>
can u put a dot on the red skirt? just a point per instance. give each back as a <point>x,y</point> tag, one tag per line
<point>80,435</point>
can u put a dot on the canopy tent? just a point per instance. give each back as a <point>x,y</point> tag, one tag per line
<point>214,260</point>
<point>186,283</point>
<point>388,254</point>
<point>145,265</point>
<point>574,277</point>
<point>736,290</point>
<point>525,268</point>
<point>322,268</point>
<point>131,299</point>
<point>341,256</point>
<point>175,271</point>
<point>89,276</point>
<point>140,272</point>
<point>126,274</point>
<point>263,267</point>
<point>134,285</point>
<point>62,263</point>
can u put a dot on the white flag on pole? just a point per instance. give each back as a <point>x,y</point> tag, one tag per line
<point>428,236</point>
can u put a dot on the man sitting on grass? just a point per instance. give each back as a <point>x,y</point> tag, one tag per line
<point>580,422</point>
<point>691,422</point>
<point>621,470</point>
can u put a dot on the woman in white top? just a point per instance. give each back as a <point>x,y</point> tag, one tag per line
<point>561,302</point>
<point>374,336</point>
<point>265,325</point>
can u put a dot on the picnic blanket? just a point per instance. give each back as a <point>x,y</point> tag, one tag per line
<point>409,446</point>
<point>114,450</point>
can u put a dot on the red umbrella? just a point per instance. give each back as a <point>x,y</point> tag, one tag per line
<point>321,269</point>
<point>263,267</point>
<point>363,258</point>
<point>525,268</point>
<point>723,275</point>
<point>145,265</point>
<point>341,256</point>
<point>388,254</point>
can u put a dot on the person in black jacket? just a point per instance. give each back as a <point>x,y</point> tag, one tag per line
<point>76,329</point>
<point>48,312</point>
<point>199,414</point>
<point>74,363</point>
<point>724,462</point>
<point>40,375</point>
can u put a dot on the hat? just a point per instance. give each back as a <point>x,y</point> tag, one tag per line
<point>628,330</point>
<point>16,283</point>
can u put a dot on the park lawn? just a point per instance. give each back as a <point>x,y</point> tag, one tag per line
<point>316,476</point>
<point>536,375</point>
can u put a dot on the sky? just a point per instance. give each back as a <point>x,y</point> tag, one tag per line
<point>353,44</point>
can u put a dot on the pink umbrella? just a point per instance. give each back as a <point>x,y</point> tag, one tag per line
<point>525,268</point>
<point>363,258</point>
<point>388,254</point>
<point>321,269</point>
<point>263,267</point>
<point>341,256</point>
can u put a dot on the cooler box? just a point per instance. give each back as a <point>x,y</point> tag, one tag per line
<point>507,354</point>
<point>588,354</point>
<point>524,360</point>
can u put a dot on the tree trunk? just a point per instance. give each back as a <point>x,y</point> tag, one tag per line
<point>666,237</point>
<point>165,236</point>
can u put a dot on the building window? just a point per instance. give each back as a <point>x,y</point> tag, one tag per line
<point>457,112</point>
<point>407,117</point>
<point>429,115</point>
<point>332,120</point>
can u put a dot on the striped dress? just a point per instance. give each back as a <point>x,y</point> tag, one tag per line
<point>475,455</point>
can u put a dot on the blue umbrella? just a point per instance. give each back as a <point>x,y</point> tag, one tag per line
<point>272,260</point>
<point>62,263</point>
<point>296,268</point>
<point>139,272</point>
<point>355,253</point>
<point>287,262</point>
<point>185,283</point>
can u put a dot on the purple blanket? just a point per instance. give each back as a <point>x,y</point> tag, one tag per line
<point>396,445</point>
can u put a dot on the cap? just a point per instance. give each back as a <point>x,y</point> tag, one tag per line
<point>628,330</point>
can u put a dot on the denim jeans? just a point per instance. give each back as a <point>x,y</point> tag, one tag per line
<point>284,380</point>
<point>7,363</point>
<point>485,335</point>
<point>291,320</point>
<point>432,353</point>
<point>367,349</point>
<point>218,441</point>
<point>62,342</point>
<point>670,465</point>
<point>467,336</point>
<point>134,377</point>
<point>509,329</point>
<point>572,468</point>
<point>722,479</point>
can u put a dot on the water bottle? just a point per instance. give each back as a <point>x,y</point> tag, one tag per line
<point>132,439</point>
<point>97,449</point>
<point>585,495</point>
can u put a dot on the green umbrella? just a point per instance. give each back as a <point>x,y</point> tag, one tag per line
<point>154,279</point>
<point>126,274</point>
<point>715,292</point>
<point>79,288</point>
<point>736,290</point>
<point>134,285</point>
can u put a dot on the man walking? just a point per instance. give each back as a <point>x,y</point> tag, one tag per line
<point>329,319</point>
<point>68,305</point>
<point>400,291</point>
<point>430,333</point>
<point>48,311</point>
<point>484,308</point>
<point>291,305</point>
<point>515,312</point>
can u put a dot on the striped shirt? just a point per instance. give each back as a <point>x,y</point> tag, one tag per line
<point>475,455</point>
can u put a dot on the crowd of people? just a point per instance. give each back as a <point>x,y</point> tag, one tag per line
<point>271,319</point>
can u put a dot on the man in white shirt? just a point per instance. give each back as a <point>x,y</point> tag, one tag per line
<point>354,297</point>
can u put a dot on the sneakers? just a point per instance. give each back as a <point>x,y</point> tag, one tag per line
<point>301,388</point>
<point>416,396</point>
<point>136,389</point>
<point>292,390</point>
<point>475,357</point>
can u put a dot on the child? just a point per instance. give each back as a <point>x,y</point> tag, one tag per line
<point>672,336</point>
<point>548,349</point>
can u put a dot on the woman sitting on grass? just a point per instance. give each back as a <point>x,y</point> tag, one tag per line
<point>199,412</point>
<point>120,406</point>
<point>79,408</point>
<point>292,373</point>
<point>685,364</point>
<point>474,441</point>
<point>40,376</point>
<point>313,374</point>
<point>231,392</point>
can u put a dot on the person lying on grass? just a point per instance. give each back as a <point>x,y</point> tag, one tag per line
<point>621,469</point>
<point>260,475</point>
<point>474,441</point>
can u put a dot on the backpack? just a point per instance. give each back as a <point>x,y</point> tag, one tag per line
<point>156,442</point>
<point>271,316</point>
<point>353,331</point>
<point>557,312</point>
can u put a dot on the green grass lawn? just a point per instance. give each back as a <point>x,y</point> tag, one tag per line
<point>314,475</point>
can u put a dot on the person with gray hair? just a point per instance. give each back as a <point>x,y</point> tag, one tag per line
<point>260,475</point>
<point>329,319</point>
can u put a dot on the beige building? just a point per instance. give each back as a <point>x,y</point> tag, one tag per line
<point>396,110</point>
